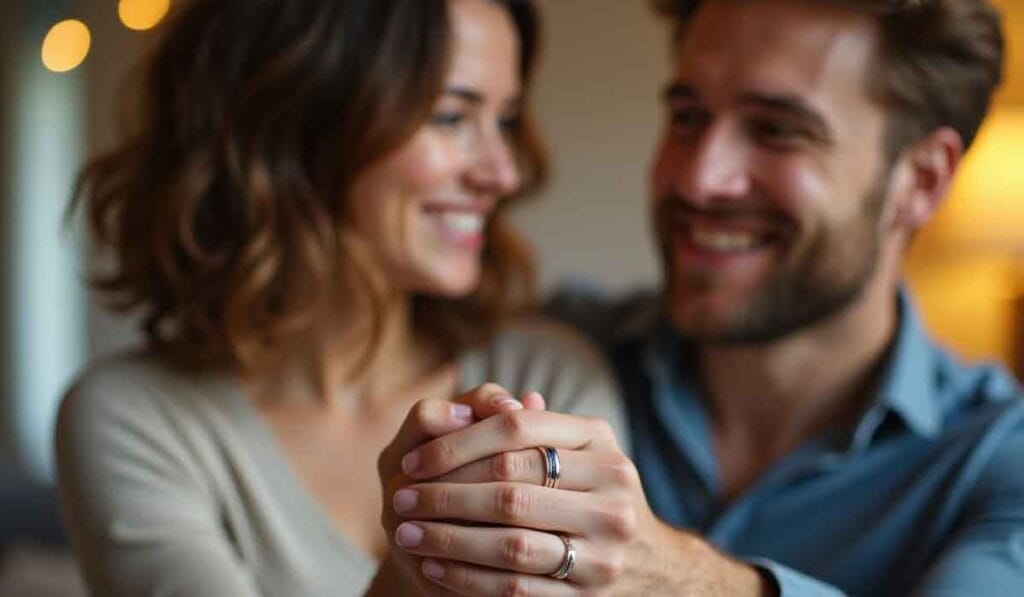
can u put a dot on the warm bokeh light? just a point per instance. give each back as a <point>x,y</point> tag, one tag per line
<point>66,45</point>
<point>142,14</point>
<point>966,267</point>
<point>986,203</point>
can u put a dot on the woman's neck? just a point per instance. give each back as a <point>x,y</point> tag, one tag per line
<point>353,362</point>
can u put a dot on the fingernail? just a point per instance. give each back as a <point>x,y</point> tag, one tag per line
<point>408,535</point>
<point>405,500</point>
<point>462,413</point>
<point>433,569</point>
<point>410,462</point>
<point>505,400</point>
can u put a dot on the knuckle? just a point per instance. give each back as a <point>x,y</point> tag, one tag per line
<point>445,541</point>
<point>515,586</point>
<point>458,577</point>
<point>507,466</point>
<point>489,389</point>
<point>609,568</point>
<point>512,503</point>
<point>512,424</point>
<point>441,498</point>
<point>603,429</point>
<point>619,521</point>
<point>623,471</point>
<point>421,412</point>
<point>515,550</point>
<point>443,454</point>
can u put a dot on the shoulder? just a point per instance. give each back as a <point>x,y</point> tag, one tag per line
<point>992,444</point>
<point>130,382</point>
<point>135,425</point>
<point>983,426</point>
<point>133,401</point>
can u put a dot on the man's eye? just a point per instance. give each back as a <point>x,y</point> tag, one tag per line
<point>447,119</point>
<point>684,120</point>
<point>772,131</point>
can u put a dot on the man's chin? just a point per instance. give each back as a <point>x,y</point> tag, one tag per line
<point>716,318</point>
<point>700,319</point>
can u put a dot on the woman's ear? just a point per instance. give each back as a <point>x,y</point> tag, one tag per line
<point>922,177</point>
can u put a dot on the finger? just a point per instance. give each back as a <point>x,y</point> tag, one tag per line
<point>466,579</point>
<point>580,471</point>
<point>533,401</point>
<point>508,549</point>
<point>426,420</point>
<point>507,432</point>
<point>516,504</point>
<point>488,399</point>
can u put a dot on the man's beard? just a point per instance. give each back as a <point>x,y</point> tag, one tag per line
<point>828,274</point>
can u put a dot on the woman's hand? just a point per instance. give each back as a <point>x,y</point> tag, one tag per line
<point>427,420</point>
<point>478,512</point>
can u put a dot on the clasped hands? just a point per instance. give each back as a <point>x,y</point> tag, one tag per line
<point>467,512</point>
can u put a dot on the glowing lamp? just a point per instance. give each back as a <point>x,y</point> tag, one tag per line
<point>140,15</point>
<point>66,45</point>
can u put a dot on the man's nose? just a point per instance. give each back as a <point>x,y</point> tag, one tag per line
<point>709,167</point>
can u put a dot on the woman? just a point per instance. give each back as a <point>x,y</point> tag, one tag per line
<point>308,213</point>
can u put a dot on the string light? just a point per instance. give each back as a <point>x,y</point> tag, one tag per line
<point>66,45</point>
<point>140,15</point>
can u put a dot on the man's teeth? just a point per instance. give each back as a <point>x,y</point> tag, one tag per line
<point>465,223</point>
<point>720,240</point>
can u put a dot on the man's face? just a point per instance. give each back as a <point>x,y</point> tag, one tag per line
<point>770,179</point>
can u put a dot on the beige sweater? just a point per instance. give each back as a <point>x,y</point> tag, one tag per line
<point>172,484</point>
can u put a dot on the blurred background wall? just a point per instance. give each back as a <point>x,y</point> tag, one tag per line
<point>597,99</point>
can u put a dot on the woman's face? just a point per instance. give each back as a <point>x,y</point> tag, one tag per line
<point>422,209</point>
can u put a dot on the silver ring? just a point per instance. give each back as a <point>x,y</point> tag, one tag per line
<point>568,560</point>
<point>552,467</point>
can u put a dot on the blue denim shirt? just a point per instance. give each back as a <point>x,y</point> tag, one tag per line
<point>923,495</point>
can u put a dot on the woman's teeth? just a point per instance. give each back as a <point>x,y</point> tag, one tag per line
<point>463,223</point>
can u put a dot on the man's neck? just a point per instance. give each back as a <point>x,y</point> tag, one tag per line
<point>767,399</point>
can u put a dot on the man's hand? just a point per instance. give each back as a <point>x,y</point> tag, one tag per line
<point>478,512</point>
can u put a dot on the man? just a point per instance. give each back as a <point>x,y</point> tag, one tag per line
<point>789,417</point>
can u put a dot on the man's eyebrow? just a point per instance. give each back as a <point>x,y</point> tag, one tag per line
<point>679,91</point>
<point>792,105</point>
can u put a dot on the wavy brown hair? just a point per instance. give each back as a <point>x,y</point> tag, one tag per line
<point>223,204</point>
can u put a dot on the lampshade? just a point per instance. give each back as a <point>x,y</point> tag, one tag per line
<point>986,203</point>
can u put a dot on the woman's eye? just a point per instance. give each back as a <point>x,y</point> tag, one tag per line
<point>510,123</point>
<point>447,119</point>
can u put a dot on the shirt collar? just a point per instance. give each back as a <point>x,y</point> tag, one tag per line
<point>908,383</point>
<point>908,386</point>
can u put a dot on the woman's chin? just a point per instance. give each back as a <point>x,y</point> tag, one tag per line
<point>451,287</point>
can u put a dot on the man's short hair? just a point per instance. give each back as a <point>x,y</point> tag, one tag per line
<point>940,62</point>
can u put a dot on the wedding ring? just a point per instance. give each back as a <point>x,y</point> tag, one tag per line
<point>568,560</point>
<point>552,467</point>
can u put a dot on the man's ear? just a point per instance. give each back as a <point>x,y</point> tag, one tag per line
<point>923,174</point>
